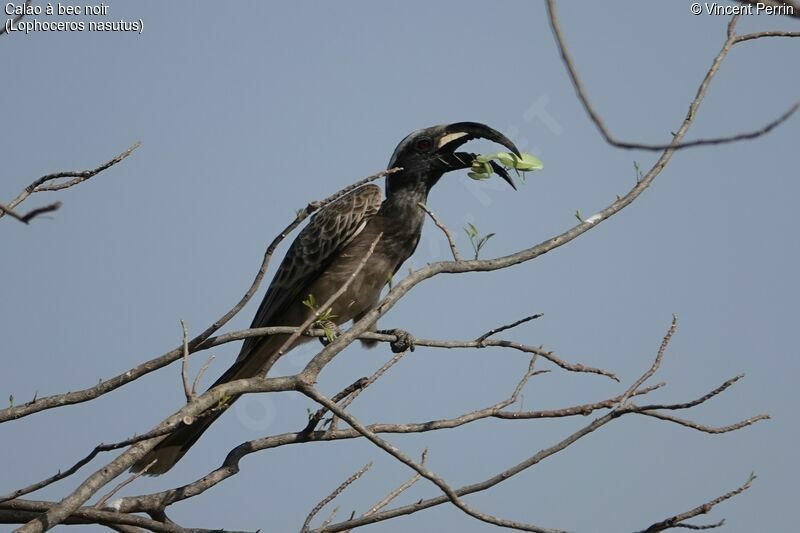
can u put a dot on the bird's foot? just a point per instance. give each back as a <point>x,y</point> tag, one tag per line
<point>404,341</point>
<point>331,331</point>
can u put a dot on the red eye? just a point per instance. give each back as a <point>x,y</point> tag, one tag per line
<point>423,145</point>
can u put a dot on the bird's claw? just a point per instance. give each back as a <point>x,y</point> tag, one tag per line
<point>404,340</point>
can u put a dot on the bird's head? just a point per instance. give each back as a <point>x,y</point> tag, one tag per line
<point>427,154</point>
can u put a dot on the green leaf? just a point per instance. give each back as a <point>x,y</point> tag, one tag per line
<point>528,162</point>
<point>507,159</point>
<point>327,315</point>
<point>330,334</point>
<point>525,162</point>
<point>310,302</point>
<point>484,240</point>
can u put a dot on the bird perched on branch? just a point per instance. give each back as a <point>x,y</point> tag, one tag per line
<point>331,247</point>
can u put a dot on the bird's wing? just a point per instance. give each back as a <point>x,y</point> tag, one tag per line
<point>327,232</point>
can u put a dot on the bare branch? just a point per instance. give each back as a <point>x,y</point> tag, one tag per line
<point>315,419</point>
<point>200,374</point>
<point>674,521</point>
<point>580,90</point>
<point>373,378</point>
<point>330,518</point>
<point>702,427</point>
<point>762,34</point>
<point>507,327</point>
<point>21,511</point>
<point>659,356</point>
<point>498,478</point>
<point>439,224</point>
<point>77,175</point>
<point>187,388</point>
<point>704,398</point>
<point>30,215</point>
<point>578,410</point>
<point>230,466</point>
<point>407,484</point>
<point>332,496</point>
<point>58,512</point>
<point>395,452</point>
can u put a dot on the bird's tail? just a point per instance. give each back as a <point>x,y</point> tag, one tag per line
<point>170,450</point>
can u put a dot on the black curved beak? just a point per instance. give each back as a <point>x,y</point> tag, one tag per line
<point>459,133</point>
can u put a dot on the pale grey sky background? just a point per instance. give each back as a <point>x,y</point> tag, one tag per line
<point>248,110</point>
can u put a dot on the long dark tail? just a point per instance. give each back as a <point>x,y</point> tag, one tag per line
<point>170,450</point>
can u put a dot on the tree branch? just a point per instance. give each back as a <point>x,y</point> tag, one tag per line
<point>39,185</point>
<point>594,116</point>
<point>675,521</point>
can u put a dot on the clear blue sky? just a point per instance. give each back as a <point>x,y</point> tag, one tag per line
<point>248,110</point>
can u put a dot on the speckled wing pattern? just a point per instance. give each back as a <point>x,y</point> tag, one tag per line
<point>328,231</point>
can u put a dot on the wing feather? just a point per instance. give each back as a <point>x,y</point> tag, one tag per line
<point>328,231</point>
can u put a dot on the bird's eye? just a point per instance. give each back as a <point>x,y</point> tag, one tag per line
<point>423,145</point>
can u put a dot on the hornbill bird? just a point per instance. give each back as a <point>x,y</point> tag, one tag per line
<point>331,247</point>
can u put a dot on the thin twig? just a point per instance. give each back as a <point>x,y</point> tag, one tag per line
<point>702,399</point>
<point>332,496</point>
<point>30,215</point>
<point>315,419</point>
<point>200,374</point>
<point>656,363</point>
<point>577,410</point>
<point>762,34</point>
<point>508,326</point>
<point>330,518</point>
<point>673,521</point>
<point>373,378</point>
<point>439,224</point>
<point>399,490</point>
<point>702,427</point>
<point>187,388</point>
<point>101,502</point>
